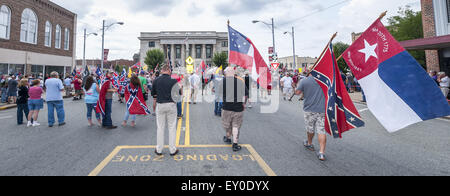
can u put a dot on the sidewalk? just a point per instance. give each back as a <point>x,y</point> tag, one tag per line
<point>357,98</point>
<point>5,106</point>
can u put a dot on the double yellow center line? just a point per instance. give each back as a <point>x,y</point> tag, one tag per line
<point>187,139</point>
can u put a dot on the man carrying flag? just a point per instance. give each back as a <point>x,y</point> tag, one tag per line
<point>327,104</point>
<point>398,90</point>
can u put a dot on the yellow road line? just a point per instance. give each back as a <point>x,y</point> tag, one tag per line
<point>187,137</point>
<point>260,161</point>
<point>180,122</point>
<point>102,165</point>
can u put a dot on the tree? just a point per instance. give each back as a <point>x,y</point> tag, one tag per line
<point>407,25</point>
<point>220,59</point>
<point>153,58</point>
<point>339,48</point>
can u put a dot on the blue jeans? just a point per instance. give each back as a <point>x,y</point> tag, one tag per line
<point>4,95</point>
<point>90,107</point>
<point>127,116</point>
<point>179,108</point>
<point>363,96</point>
<point>59,106</point>
<point>218,108</point>
<point>107,120</point>
<point>21,109</point>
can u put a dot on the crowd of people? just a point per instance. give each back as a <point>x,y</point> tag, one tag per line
<point>442,80</point>
<point>166,89</point>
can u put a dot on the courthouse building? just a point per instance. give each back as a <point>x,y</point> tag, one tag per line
<point>36,37</point>
<point>179,45</point>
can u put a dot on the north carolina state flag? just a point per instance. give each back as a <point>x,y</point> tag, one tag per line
<point>135,101</point>
<point>399,91</point>
<point>341,114</point>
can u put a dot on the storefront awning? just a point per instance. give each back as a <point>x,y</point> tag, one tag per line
<point>432,43</point>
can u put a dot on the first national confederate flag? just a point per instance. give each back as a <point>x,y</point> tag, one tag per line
<point>341,115</point>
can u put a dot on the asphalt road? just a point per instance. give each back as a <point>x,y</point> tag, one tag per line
<point>273,146</point>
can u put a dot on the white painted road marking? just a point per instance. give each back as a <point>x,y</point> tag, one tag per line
<point>5,117</point>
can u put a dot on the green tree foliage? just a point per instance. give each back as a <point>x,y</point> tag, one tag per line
<point>407,25</point>
<point>220,59</point>
<point>339,48</point>
<point>153,58</point>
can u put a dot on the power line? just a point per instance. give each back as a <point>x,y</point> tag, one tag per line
<point>315,12</point>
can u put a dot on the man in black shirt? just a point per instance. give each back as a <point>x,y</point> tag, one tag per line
<point>165,92</point>
<point>234,93</point>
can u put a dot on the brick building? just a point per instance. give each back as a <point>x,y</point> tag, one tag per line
<point>36,37</point>
<point>300,62</point>
<point>436,41</point>
<point>94,63</point>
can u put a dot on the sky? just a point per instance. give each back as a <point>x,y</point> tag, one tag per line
<point>314,21</point>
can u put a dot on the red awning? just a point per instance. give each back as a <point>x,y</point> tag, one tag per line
<point>432,43</point>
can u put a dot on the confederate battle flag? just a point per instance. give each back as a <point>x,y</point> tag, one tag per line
<point>341,115</point>
<point>135,101</point>
<point>100,108</point>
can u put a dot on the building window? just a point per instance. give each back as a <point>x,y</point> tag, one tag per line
<point>16,69</point>
<point>178,52</point>
<point>48,34</point>
<point>29,27</point>
<point>36,70</point>
<point>58,37</point>
<point>66,39</point>
<point>448,10</point>
<point>198,51</point>
<point>208,51</point>
<point>225,44</point>
<point>151,44</point>
<point>3,69</point>
<point>169,51</point>
<point>5,22</point>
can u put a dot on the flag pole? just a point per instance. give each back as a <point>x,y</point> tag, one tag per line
<point>382,15</point>
<point>323,52</point>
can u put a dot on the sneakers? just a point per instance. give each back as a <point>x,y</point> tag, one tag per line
<point>226,140</point>
<point>236,147</point>
<point>321,156</point>
<point>35,124</point>
<point>307,146</point>
<point>29,124</point>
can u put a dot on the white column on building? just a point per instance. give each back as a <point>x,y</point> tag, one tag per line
<point>183,55</point>
<point>204,52</point>
<point>172,54</point>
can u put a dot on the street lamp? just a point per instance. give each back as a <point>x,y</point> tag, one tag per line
<point>293,44</point>
<point>273,31</point>
<point>84,47</point>
<point>103,38</point>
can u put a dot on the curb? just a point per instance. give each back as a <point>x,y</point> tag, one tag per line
<point>364,103</point>
<point>8,107</point>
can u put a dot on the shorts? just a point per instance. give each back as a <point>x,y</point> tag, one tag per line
<point>35,104</point>
<point>12,94</point>
<point>315,122</point>
<point>288,91</point>
<point>79,92</point>
<point>232,119</point>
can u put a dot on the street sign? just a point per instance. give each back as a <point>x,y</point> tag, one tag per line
<point>275,65</point>
<point>189,60</point>
<point>189,65</point>
<point>270,50</point>
<point>189,69</point>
